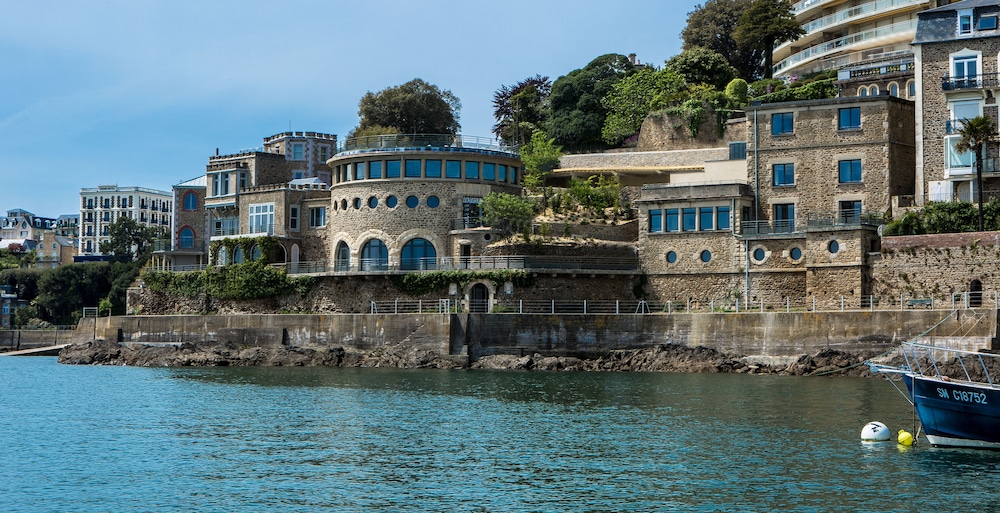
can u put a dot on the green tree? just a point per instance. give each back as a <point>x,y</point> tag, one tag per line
<point>736,91</point>
<point>508,213</point>
<point>372,131</point>
<point>975,133</point>
<point>764,24</point>
<point>702,66</point>
<point>521,109</point>
<point>130,240</point>
<point>415,107</point>
<point>712,25</point>
<point>635,97</point>
<point>577,113</point>
<point>540,157</point>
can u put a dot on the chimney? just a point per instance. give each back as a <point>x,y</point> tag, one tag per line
<point>631,58</point>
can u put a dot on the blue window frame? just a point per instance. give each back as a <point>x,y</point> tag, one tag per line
<point>433,201</point>
<point>849,118</point>
<point>850,171</point>
<point>392,169</point>
<point>417,254</point>
<point>190,201</point>
<point>689,218</point>
<point>489,171</point>
<point>781,123</point>
<point>412,201</point>
<point>673,218</point>
<point>412,168</point>
<point>784,217</point>
<point>375,169</point>
<point>472,170</point>
<point>359,171</point>
<point>453,169</point>
<point>655,221</point>
<point>433,169</point>
<point>503,173</point>
<point>722,218</point>
<point>374,256</point>
<point>186,238</point>
<point>784,174</point>
<point>706,218</point>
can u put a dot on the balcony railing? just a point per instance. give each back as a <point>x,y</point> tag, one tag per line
<point>986,80</point>
<point>813,220</point>
<point>468,223</point>
<point>440,142</point>
<point>531,263</point>
<point>841,44</point>
<point>164,245</point>
<point>857,12</point>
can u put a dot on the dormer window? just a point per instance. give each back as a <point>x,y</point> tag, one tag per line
<point>987,23</point>
<point>965,22</point>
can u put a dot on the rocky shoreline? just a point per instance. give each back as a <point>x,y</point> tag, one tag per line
<point>660,358</point>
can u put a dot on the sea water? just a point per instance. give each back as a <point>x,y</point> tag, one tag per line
<point>75,438</point>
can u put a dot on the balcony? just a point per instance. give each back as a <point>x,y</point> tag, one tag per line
<point>853,14</point>
<point>843,219</point>
<point>529,263</point>
<point>165,246</point>
<point>902,31</point>
<point>984,81</point>
<point>468,223</point>
<point>432,142</point>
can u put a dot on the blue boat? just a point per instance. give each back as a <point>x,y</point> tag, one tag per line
<point>953,392</point>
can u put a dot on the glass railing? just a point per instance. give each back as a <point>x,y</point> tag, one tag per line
<point>843,43</point>
<point>440,142</point>
<point>859,11</point>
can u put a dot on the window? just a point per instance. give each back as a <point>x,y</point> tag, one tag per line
<point>722,218</point>
<point>795,253</point>
<point>955,159</point>
<point>453,169</point>
<point>672,219</point>
<point>433,169</point>
<point>412,168</point>
<point>298,151</point>
<point>293,217</point>
<point>962,110</point>
<point>433,201</point>
<point>759,254</point>
<point>893,89</point>
<point>190,201</point>
<point>850,171</point>
<point>261,217</point>
<point>863,91</point>
<point>417,254</point>
<point>655,221</point>
<point>503,173</point>
<point>781,123</point>
<point>342,258</point>
<point>412,201</point>
<point>964,22</point>
<point>186,238</point>
<point>359,171</point>
<point>472,170</point>
<point>489,171</point>
<point>392,169</point>
<point>391,202</point>
<point>784,174</point>
<point>243,180</point>
<point>317,217</point>
<point>220,185</point>
<point>689,217</point>
<point>706,218</point>
<point>784,217</point>
<point>987,23</point>
<point>372,202</point>
<point>671,257</point>
<point>833,247</point>
<point>706,256</point>
<point>375,169</point>
<point>374,256</point>
<point>324,153</point>
<point>357,203</point>
<point>965,71</point>
<point>849,118</point>
<point>911,89</point>
<point>737,151</point>
<point>849,211</point>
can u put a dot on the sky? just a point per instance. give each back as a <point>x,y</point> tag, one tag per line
<point>142,92</point>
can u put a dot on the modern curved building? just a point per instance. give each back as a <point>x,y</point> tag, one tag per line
<point>411,202</point>
<point>847,33</point>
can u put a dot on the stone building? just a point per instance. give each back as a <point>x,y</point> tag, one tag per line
<point>187,247</point>
<point>956,48</point>
<point>54,250</point>
<point>412,202</point>
<point>105,204</point>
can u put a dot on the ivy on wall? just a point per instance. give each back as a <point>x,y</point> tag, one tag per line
<point>250,280</point>
<point>423,283</point>
<point>264,243</point>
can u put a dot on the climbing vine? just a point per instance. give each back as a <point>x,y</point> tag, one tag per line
<point>250,280</point>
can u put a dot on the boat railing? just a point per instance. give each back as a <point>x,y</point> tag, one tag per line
<point>950,364</point>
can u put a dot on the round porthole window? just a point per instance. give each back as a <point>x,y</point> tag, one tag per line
<point>391,202</point>
<point>795,253</point>
<point>357,203</point>
<point>372,202</point>
<point>343,204</point>
<point>834,246</point>
<point>487,237</point>
<point>671,257</point>
<point>706,256</point>
<point>433,201</point>
<point>759,254</point>
<point>412,201</point>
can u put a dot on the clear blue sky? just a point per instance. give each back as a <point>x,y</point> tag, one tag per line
<point>136,92</point>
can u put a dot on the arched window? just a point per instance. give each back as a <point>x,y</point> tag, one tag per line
<point>911,89</point>
<point>418,254</point>
<point>223,258</point>
<point>374,256</point>
<point>238,255</point>
<point>255,253</point>
<point>862,91</point>
<point>186,238</point>
<point>190,201</point>
<point>342,258</point>
<point>893,89</point>
<point>873,90</point>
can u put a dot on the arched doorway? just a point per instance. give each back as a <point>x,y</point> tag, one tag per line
<point>418,254</point>
<point>479,299</point>
<point>374,256</point>
<point>975,294</point>
<point>342,260</point>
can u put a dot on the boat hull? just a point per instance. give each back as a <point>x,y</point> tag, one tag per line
<point>956,414</point>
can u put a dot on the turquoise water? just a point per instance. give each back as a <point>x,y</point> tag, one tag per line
<point>306,439</point>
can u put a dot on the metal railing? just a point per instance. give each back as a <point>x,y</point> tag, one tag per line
<point>468,223</point>
<point>439,142</point>
<point>524,262</point>
<point>949,83</point>
<point>813,220</point>
<point>843,43</point>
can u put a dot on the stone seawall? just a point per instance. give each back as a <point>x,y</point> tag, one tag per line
<point>448,340</point>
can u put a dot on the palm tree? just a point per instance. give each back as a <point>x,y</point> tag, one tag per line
<point>975,133</point>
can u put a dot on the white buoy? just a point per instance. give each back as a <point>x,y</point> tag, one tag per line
<point>875,432</point>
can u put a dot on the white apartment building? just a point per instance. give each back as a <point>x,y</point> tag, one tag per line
<point>103,205</point>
